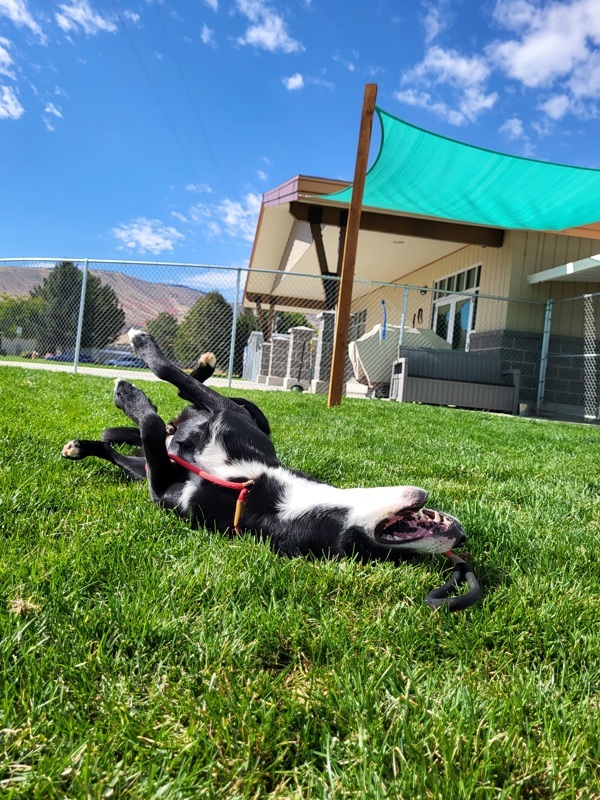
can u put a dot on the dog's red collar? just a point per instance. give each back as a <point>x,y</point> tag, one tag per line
<point>242,488</point>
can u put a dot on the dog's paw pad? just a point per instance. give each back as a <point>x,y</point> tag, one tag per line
<point>72,449</point>
<point>122,392</point>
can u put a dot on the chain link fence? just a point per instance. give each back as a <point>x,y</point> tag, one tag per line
<point>570,386</point>
<point>275,329</point>
<point>507,330</point>
<point>79,311</point>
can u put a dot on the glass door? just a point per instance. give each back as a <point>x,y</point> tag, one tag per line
<point>454,320</point>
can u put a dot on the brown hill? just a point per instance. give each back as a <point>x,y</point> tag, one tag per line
<point>141,300</point>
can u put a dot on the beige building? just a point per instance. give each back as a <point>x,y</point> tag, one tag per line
<point>458,270</point>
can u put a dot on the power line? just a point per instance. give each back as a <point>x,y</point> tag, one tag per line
<point>155,92</point>
<point>189,94</point>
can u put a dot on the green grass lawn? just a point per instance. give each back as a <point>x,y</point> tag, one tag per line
<point>141,659</point>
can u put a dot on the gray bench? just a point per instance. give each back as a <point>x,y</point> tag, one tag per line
<point>454,378</point>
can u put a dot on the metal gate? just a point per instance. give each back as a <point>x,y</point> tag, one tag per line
<point>570,361</point>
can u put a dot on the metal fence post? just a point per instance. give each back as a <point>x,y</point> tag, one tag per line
<point>590,356</point>
<point>234,326</point>
<point>80,318</point>
<point>403,318</point>
<point>544,355</point>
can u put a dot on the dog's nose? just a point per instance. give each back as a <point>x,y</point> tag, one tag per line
<point>462,538</point>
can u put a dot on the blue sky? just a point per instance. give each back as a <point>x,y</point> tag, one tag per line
<point>149,129</point>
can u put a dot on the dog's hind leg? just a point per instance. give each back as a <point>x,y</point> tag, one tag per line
<point>204,368</point>
<point>190,389</point>
<point>133,466</point>
<point>122,435</point>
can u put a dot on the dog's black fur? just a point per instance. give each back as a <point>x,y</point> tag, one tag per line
<point>229,439</point>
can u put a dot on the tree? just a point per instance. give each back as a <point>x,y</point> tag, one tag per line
<point>290,319</point>
<point>20,312</point>
<point>164,329</point>
<point>207,326</point>
<point>60,294</point>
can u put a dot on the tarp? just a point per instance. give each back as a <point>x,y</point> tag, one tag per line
<point>420,173</point>
<point>373,356</point>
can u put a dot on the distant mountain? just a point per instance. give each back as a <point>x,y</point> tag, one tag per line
<point>141,300</point>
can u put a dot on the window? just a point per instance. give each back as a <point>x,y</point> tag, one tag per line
<point>467,280</point>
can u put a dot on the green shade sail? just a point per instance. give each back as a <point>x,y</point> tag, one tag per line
<point>421,173</point>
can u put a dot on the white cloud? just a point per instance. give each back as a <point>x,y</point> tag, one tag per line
<point>207,35</point>
<point>48,117</point>
<point>78,16</point>
<point>10,108</point>
<point>131,16</point>
<point>435,21</point>
<point>514,131</point>
<point>202,188</point>
<point>516,15</point>
<point>52,109</point>
<point>178,215</point>
<point>553,39</point>
<point>234,218</point>
<point>321,82</point>
<point>512,128</point>
<point>19,14</point>
<point>212,280</point>
<point>267,30</point>
<point>552,45</point>
<point>556,107</point>
<point>349,65</point>
<point>411,97</point>
<point>448,66</point>
<point>147,235</point>
<point>294,82</point>
<point>585,78</point>
<point>461,78</point>
<point>240,218</point>
<point>214,4</point>
<point>262,175</point>
<point>5,59</point>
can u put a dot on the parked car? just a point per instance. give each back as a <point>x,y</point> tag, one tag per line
<point>126,360</point>
<point>83,359</point>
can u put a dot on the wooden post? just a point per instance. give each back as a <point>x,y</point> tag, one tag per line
<point>340,343</point>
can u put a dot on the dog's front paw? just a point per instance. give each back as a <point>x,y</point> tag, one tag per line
<point>72,450</point>
<point>130,399</point>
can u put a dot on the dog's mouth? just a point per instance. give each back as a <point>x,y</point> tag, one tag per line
<point>407,528</point>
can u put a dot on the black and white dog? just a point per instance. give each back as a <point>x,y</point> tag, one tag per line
<point>227,441</point>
